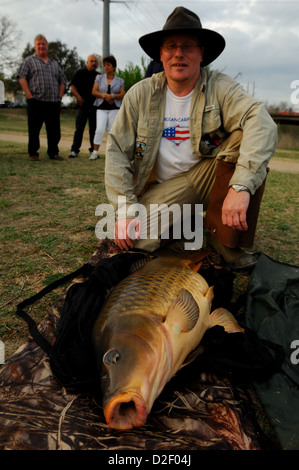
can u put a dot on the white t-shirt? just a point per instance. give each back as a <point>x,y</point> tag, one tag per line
<point>175,152</point>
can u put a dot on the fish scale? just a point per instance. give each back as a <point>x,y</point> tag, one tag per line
<point>133,291</point>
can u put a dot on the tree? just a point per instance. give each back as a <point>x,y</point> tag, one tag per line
<point>9,42</point>
<point>132,73</point>
<point>68,59</point>
<point>283,106</point>
<point>11,84</point>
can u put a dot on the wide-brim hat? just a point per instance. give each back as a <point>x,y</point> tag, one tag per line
<point>182,20</point>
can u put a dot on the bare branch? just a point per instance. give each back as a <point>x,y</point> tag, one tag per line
<point>9,41</point>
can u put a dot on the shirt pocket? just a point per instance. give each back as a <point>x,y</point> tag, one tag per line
<point>211,136</point>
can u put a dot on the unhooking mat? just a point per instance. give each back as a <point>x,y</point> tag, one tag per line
<point>208,412</point>
<point>273,312</point>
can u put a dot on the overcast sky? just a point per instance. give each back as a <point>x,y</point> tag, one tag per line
<point>262,36</point>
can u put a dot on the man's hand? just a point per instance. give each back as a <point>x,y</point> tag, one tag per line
<point>80,101</point>
<point>234,209</point>
<point>123,229</point>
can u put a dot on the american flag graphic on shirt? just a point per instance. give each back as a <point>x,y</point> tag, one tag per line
<point>176,134</point>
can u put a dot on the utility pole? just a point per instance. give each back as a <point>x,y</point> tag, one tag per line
<point>106,28</point>
<point>106,25</point>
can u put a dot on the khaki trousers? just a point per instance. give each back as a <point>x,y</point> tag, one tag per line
<point>197,186</point>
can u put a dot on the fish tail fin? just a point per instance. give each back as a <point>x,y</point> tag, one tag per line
<point>224,318</point>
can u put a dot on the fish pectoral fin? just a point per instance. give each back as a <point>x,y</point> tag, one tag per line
<point>224,318</point>
<point>183,313</point>
<point>210,294</point>
<point>193,355</point>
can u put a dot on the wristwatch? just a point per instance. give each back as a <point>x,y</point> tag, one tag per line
<point>239,187</point>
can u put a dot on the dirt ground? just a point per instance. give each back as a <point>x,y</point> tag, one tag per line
<point>286,166</point>
<point>64,144</point>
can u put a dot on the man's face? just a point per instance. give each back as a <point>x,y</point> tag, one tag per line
<point>41,47</point>
<point>92,63</point>
<point>181,55</point>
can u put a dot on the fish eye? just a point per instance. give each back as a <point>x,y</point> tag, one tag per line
<point>111,357</point>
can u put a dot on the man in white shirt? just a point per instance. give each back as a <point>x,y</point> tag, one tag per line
<point>183,123</point>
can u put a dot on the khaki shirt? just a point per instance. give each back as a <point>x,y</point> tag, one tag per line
<point>219,106</point>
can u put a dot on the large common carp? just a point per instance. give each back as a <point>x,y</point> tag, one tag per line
<point>149,327</point>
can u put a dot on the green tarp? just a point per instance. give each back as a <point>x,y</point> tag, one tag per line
<point>273,312</point>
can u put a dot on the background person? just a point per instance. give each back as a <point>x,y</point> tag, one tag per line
<point>190,136</point>
<point>109,91</point>
<point>153,67</point>
<point>81,87</point>
<point>43,82</point>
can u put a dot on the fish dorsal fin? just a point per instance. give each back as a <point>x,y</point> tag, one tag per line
<point>136,265</point>
<point>192,265</point>
<point>224,318</point>
<point>183,313</point>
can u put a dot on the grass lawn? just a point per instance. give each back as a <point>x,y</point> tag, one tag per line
<point>48,221</point>
<point>47,227</point>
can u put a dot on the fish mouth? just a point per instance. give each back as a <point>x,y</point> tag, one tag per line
<point>126,411</point>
